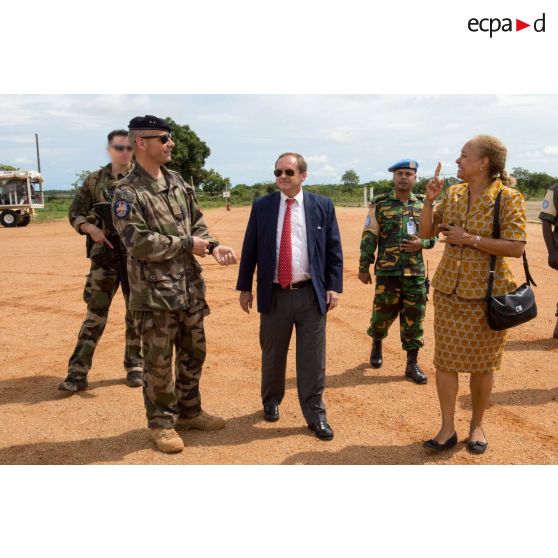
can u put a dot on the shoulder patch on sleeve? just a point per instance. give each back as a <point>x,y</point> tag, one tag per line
<point>122,208</point>
<point>371,223</point>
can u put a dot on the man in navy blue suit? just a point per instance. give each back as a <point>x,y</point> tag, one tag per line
<point>293,239</point>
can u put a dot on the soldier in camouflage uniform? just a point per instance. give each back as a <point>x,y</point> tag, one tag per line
<point>108,268</point>
<point>392,228</point>
<point>158,219</point>
<point>549,218</point>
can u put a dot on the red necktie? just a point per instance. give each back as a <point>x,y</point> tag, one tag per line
<point>285,271</point>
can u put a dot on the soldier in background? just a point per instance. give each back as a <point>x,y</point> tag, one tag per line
<point>548,216</point>
<point>392,228</point>
<point>107,272</point>
<point>158,218</point>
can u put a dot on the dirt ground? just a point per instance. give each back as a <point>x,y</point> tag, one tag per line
<point>378,417</point>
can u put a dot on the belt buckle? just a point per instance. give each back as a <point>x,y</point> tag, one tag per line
<point>293,288</point>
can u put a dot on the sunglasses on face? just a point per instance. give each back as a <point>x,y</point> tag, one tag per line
<point>122,147</point>
<point>163,139</point>
<point>279,172</point>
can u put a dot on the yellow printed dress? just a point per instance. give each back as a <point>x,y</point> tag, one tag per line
<point>464,342</point>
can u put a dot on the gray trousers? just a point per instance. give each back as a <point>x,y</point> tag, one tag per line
<point>299,308</point>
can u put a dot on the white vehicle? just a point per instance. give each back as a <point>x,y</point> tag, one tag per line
<point>21,193</point>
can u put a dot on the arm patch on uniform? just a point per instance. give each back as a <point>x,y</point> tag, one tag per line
<point>371,223</point>
<point>122,208</point>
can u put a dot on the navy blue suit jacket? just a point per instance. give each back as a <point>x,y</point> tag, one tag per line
<point>259,248</point>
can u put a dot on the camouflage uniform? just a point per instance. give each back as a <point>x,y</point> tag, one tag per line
<point>103,279</point>
<point>156,222</point>
<point>400,276</point>
<point>549,213</point>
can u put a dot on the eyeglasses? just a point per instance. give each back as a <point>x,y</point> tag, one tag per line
<point>279,172</point>
<point>163,139</point>
<point>122,147</point>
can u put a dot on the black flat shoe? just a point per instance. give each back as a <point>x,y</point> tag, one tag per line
<point>271,413</point>
<point>476,447</point>
<point>436,446</point>
<point>322,430</point>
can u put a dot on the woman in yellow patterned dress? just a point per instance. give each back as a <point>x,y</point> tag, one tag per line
<point>464,342</point>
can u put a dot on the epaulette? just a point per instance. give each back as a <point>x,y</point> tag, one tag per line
<point>380,197</point>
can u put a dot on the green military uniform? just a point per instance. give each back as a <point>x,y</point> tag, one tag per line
<point>156,221</point>
<point>549,213</point>
<point>400,276</point>
<point>103,279</point>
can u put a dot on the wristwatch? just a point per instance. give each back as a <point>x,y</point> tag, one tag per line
<point>212,246</point>
<point>477,240</point>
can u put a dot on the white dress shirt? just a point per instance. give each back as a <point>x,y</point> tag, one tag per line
<point>299,242</point>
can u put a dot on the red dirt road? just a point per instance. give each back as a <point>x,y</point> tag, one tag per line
<point>378,417</point>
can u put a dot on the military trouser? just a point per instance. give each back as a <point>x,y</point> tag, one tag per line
<point>100,287</point>
<point>165,397</point>
<point>403,296</point>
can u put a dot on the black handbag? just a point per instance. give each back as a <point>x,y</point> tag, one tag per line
<point>514,308</point>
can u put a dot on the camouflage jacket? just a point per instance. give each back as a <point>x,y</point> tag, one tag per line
<point>97,187</point>
<point>156,223</point>
<point>549,210</point>
<point>389,223</point>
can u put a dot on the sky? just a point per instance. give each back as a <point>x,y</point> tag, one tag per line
<point>245,133</point>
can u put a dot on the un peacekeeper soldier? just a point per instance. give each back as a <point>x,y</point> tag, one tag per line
<point>158,218</point>
<point>549,218</point>
<point>107,272</point>
<point>392,228</point>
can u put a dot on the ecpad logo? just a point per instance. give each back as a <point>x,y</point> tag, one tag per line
<point>492,25</point>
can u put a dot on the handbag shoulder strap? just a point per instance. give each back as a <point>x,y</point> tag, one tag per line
<point>496,234</point>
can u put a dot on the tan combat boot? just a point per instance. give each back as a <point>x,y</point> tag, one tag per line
<point>167,440</point>
<point>203,421</point>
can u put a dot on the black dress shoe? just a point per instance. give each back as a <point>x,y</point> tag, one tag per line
<point>413,370</point>
<point>436,446</point>
<point>376,359</point>
<point>271,413</point>
<point>322,430</point>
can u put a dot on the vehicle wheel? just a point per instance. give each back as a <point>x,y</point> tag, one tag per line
<point>9,218</point>
<point>24,220</point>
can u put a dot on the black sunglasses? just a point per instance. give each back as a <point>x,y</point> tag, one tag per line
<point>163,139</point>
<point>279,172</point>
<point>122,147</point>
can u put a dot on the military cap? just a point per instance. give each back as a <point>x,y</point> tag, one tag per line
<point>404,164</point>
<point>148,122</point>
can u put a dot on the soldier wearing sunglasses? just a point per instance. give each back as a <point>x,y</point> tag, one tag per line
<point>158,218</point>
<point>105,275</point>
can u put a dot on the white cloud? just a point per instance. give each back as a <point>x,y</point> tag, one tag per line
<point>316,158</point>
<point>326,170</point>
<point>551,150</point>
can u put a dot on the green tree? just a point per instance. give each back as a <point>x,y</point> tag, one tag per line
<point>7,168</point>
<point>350,178</point>
<point>190,153</point>
<point>532,184</point>
<point>80,177</point>
<point>213,183</point>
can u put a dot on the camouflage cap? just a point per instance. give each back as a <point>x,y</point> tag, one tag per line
<point>149,122</point>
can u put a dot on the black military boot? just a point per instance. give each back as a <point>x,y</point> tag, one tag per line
<point>134,378</point>
<point>413,370</point>
<point>376,354</point>
<point>73,384</point>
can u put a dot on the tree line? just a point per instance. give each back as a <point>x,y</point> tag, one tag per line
<point>191,153</point>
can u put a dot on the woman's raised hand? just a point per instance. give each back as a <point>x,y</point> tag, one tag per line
<point>435,185</point>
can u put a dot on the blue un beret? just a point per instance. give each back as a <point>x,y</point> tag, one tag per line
<point>404,164</point>
<point>149,122</point>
